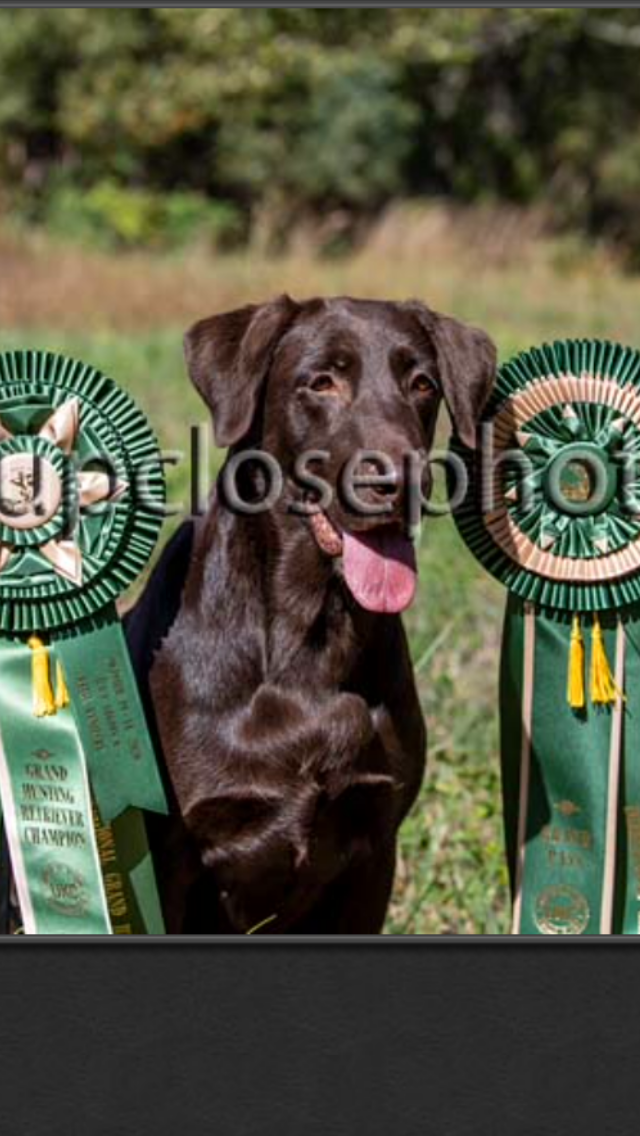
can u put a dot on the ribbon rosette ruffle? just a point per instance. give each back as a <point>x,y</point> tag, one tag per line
<point>81,491</point>
<point>553,511</point>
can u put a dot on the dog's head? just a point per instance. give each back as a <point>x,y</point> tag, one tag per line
<point>346,391</point>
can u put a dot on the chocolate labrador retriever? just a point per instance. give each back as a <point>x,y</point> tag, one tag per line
<point>269,643</point>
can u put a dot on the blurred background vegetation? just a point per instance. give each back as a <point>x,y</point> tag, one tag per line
<point>157,165</point>
<point>163,127</point>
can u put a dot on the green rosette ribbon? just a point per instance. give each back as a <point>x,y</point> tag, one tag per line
<point>81,505</point>
<point>552,509</point>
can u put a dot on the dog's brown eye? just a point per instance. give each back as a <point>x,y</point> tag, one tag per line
<point>323,384</point>
<point>423,384</point>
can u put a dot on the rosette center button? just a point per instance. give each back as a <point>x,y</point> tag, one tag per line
<point>580,480</point>
<point>30,490</point>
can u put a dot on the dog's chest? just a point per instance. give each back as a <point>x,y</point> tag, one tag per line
<point>325,655</point>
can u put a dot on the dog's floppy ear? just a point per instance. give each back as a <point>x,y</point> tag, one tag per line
<point>467,360</point>
<point>228,357</point>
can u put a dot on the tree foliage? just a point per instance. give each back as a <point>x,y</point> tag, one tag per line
<point>304,111</point>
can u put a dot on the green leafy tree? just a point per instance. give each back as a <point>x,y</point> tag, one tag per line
<point>306,111</point>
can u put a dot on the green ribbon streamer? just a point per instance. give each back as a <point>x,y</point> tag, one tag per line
<point>565,846</point>
<point>47,810</point>
<point>128,875</point>
<point>510,693</point>
<point>128,894</point>
<point>110,719</point>
<point>627,904</point>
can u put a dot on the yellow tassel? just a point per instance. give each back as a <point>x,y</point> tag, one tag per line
<point>62,690</point>
<point>604,690</point>
<point>43,700</point>
<point>575,678</point>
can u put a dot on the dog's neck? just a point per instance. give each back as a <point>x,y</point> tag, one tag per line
<point>291,592</point>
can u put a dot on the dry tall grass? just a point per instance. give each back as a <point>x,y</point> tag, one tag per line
<point>494,267</point>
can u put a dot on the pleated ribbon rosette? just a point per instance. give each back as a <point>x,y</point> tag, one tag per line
<point>81,495</point>
<point>552,509</point>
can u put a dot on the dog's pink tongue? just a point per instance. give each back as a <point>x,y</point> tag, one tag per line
<point>380,568</point>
